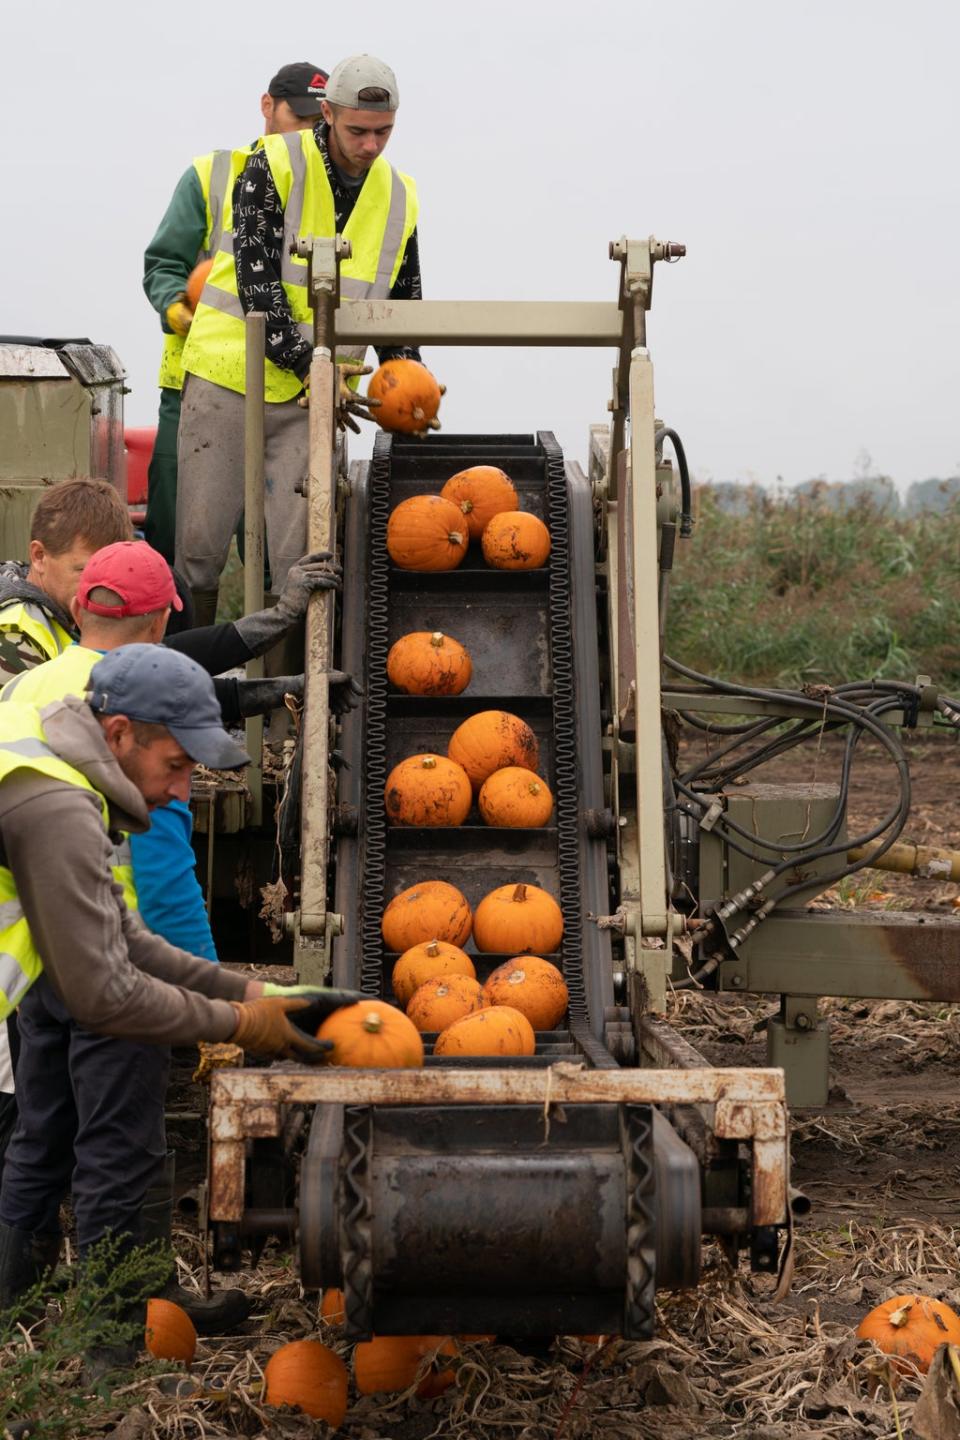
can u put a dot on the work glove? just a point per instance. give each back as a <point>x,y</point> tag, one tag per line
<point>322,999</point>
<point>261,630</point>
<point>179,316</point>
<point>433,424</point>
<point>256,697</point>
<point>350,402</point>
<point>263,1028</point>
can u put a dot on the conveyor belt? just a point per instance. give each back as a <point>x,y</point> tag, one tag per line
<point>527,658</point>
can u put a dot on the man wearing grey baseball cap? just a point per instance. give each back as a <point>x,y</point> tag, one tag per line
<point>77,966</point>
<point>333,179</point>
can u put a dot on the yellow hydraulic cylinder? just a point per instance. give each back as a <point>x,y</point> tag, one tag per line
<point>926,861</point>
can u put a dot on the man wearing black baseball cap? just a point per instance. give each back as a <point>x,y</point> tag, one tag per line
<point>333,179</point>
<point>78,967</point>
<point>190,231</point>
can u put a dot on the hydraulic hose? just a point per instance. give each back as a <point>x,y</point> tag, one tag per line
<point>686,510</point>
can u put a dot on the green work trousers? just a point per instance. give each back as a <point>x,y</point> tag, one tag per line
<point>160,529</point>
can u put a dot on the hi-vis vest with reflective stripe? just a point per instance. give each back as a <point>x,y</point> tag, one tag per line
<point>23,746</point>
<point>380,224</point>
<point>34,622</point>
<point>216,173</point>
<point>69,674</point>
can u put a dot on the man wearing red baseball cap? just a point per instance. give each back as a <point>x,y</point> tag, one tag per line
<point>125,595</point>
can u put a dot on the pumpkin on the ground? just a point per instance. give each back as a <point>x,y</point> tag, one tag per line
<point>429,910</point>
<point>332,1306</point>
<point>409,396</point>
<point>428,790</point>
<point>428,961</point>
<point>515,797</point>
<point>372,1034</point>
<point>514,919</point>
<point>481,492</point>
<point>169,1333</point>
<point>911,1327</point>
<point>531,985</point>
<point>391,1362</point>
<point>439,1002</point>
<point>515,540</point>
<point>427,662</point>
<point>309,1376</point>
<point>490,740</point>
<point>426,532</point>
<point>497,1030</point>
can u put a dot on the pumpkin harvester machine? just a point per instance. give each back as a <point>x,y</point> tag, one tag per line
<point>551,1193</point>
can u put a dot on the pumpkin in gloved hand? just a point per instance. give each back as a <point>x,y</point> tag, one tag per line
<point>408,397</point>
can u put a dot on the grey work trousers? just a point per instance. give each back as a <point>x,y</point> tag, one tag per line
<point>210,482</point>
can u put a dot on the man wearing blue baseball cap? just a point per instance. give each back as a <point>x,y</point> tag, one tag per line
<point>78,966</point>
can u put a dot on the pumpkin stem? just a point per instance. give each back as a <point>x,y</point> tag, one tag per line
<point>455,537</point>
<point>428,762</point>
<point>436,639</point>
<point>466,506</point>
<point>519,894</point>
<point>900,1317</point>
<point>372,1022</point>
<point>534,787</point>
<point>433,949</point>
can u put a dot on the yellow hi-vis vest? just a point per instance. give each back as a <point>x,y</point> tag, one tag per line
<point>32,620</point>
<point>69,674</point>
<point>23,746</point>
<point>380,224</point>
<point>216,173</point>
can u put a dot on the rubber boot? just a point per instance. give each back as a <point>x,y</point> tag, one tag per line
<point>226,1308</point>
<point>205,606</point>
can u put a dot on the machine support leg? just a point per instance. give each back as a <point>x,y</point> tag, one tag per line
<point>253,510</point>
<point>646,699</point>
<point>799,1042</point>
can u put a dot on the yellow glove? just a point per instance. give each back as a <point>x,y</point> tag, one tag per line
<point>179,316</point>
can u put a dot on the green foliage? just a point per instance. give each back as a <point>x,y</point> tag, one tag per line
<point>794,592</point>
<point>103,1304</point>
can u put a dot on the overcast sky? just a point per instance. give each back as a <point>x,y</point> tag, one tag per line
<point>806,154</point>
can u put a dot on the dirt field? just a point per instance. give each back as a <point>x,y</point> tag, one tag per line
<point>881,1166</point>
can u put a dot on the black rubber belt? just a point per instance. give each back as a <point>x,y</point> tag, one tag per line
<point>374,853</point>
<point>566,770</point>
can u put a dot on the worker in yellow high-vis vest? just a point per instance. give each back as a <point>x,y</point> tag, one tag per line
<point>79,967</point>
<point>190,231</point>
<point>332,179</point>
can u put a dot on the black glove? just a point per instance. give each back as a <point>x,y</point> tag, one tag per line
<point>256,697</point>
<point>265,628</point>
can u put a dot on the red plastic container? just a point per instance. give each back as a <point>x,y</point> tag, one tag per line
<point>139,442</point>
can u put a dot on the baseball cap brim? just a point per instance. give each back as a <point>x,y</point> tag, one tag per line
<point>304,105</point>
<point>210,745</point>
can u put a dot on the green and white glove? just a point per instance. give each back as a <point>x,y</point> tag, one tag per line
<point>321,999</point>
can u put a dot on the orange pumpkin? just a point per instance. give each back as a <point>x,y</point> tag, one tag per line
<point>515,540</point>
<point>499,1030</point>
<point>169,1332</point>
<point>439,1002</point>
<point>332,1307</point>
<point>481,492</point>
<point>372,1034</point>
<point>426,532</point>
<point>531,985</point>
<point>515,797</point>
<point>516,918</point>
<point>427,662</point>
<point>490,740</point>
<point>431,910</point>
<point>409,396</point>
<point>196,280</point>
<point>911,1327</point>
<point>428,961</point>
<point>391,1363</point>
<point>428,790</point>
<point>309,1376</point>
